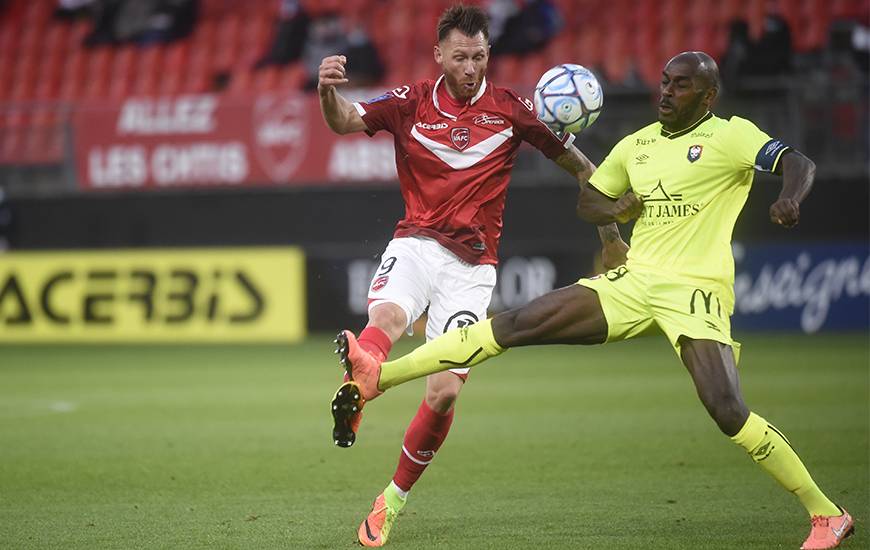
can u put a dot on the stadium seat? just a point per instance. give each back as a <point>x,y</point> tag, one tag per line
<point>292,77</point>
<point>48,77</point>
<point>12,135</point>
<point>588,49</point>
<point>241,82</point>
<point>72,75</point>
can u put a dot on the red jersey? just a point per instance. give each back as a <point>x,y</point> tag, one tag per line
<point>454,162</point>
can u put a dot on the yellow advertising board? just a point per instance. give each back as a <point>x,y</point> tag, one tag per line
<point>153,295</point>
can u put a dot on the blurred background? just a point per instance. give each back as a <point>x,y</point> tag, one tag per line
<point>166,178</point>
<point>149,125</point>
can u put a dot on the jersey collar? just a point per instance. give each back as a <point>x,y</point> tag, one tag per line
<point>675,135</point>
<point>474,99</point>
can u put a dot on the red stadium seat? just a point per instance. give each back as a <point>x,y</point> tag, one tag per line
<point>100,63</point>
<point>266,79</point>
<point>48,77</point>
<point>204,35</point>
<point>197,82</point>
<point>588,49</point>
<point>119,87</point>
<point>241,82</point>
<point>8,40</point>
<point>12,136</point>
<point>292,77</point>
<point>23,78</point>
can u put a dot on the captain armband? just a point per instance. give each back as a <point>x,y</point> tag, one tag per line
<point>768,156</point>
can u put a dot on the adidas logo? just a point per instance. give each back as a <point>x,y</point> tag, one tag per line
<point>641,159</point>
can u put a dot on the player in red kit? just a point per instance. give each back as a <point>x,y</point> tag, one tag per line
<point>456,140</point>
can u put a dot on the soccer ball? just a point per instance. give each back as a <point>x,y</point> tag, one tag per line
<point>568,98</point>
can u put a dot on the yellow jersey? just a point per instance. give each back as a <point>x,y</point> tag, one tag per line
<point>694,184</point>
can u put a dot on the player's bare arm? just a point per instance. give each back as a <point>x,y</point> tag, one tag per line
<point>576,163</point>
<point>614,249</point>
<point>798,173</point>
<point>339,113</point>
<point>595,207</point>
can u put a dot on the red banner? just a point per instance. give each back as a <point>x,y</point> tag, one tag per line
<point>196,140</point>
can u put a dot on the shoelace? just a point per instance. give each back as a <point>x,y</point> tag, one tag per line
<point>820,521</point>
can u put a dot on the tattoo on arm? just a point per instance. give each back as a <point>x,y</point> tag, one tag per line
<point>576,163</point>
<point>609,233</point>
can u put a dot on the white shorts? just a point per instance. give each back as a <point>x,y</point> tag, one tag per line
<point>417,272</point>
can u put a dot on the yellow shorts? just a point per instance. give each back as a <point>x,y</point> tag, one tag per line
<point>637,302</point>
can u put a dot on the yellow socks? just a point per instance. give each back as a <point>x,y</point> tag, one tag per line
<point>772,451</point>
<point>459,348</point>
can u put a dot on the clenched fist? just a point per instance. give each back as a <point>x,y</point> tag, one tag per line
<point>332,73</point>
<point>785,212</point>
<point>627,208</point>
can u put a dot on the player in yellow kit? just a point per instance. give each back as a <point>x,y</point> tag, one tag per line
<point>685,178</point>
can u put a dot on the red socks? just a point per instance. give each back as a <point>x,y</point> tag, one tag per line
<point>425,435</point>
<point>376,342</point>
<point>428,429</point>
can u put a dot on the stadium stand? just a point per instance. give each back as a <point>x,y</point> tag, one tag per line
<point>44,62</point>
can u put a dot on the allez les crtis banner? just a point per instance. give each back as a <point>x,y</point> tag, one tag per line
<point>154,295</point>
<point>206,139</point>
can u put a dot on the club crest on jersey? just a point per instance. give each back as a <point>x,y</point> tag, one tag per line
<point>460,137</point>
<point>695,152</point>
<point>380,283</point>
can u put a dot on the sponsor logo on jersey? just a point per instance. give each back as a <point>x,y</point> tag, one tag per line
<point>659,194</point>
<point>460,137</point>
<point>484,119</point>
<point>644,141</point>
<point>380,283</point>
<point>661,207</point>
<point>436,126</point>
<point>695,152</point>
<point>641,159</point>
<point>701,134</point>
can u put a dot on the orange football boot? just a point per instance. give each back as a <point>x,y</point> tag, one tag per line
<point>829,531</point>
<point>375,529</point>
<point>361,384</point>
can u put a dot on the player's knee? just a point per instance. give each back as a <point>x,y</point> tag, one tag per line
<point>729,415</point>
<point>516,327</point>
<point>441,400</point>
<point>388,317</point>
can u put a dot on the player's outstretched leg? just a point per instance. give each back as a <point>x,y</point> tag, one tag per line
<point>714,372</point>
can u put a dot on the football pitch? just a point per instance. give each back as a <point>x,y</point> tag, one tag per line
<point>560,447</point>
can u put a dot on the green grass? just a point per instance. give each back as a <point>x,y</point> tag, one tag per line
<point>561,447</point>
